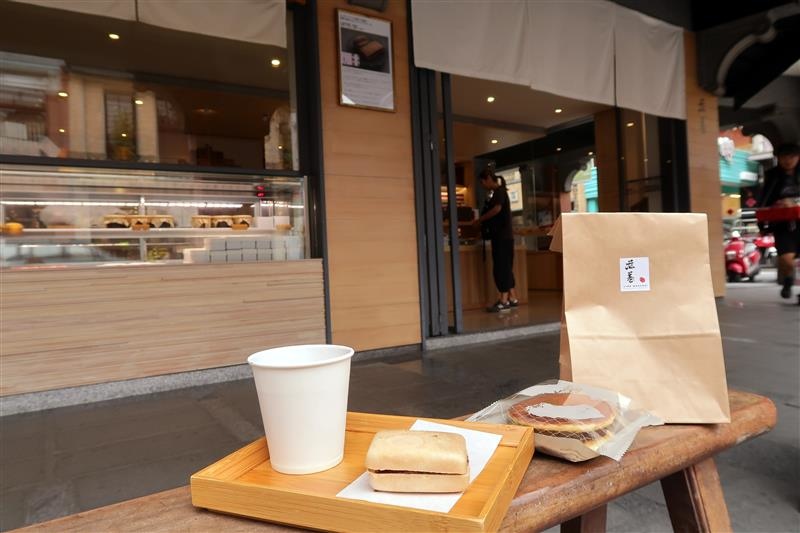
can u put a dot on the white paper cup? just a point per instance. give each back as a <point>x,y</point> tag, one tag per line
<point>302,392</point>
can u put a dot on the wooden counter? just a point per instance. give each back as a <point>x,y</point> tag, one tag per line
<point>477,284</point>
<point>70,327</point>
<point>545,270</point>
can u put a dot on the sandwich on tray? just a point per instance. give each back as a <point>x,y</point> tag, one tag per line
<point>418,461</point>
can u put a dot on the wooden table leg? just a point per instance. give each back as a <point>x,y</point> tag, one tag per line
<point>695,500</point>
<point>592,522</point>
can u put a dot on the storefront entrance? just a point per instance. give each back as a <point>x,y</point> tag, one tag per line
<point>556,155</point>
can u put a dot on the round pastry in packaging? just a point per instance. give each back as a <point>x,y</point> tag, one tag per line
<point>564,412</point>
<point>201,221</point>
<point>222,221</point>
<point>115,221</point>
<point>573,421</point>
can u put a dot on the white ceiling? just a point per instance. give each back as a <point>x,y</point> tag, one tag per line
<point>516,104</point>
<point>474,139</point>
<point>518,114</point>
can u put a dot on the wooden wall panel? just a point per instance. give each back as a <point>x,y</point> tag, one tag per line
<point>702,130</point>
<point>369,194</point>
<point>87,325</point>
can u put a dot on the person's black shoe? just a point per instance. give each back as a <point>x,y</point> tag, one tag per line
<point>786,291</point>
<point>513,303</point>
<point>498,307</point>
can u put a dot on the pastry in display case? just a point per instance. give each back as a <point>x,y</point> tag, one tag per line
<point>105,217</point>
<point>201,221</point>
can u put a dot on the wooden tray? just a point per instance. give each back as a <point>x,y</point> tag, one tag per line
<point>245,484</point>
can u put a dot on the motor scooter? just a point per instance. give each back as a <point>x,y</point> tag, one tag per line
<point>742,259</point>
<point>766,247</point>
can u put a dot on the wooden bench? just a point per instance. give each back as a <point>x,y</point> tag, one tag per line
<point>552,491</point>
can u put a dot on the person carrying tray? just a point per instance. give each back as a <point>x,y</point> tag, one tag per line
<point>782,189</point>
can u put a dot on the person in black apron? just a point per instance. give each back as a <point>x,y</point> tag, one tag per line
<point>496,217</point>
<point>782,189</point>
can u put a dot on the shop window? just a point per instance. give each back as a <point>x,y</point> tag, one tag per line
<point>151,95</point>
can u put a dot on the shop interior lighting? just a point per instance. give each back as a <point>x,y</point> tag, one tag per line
<point>495,141</point>
<point>45,203</point>
<point>591,153</point>
<point>218,205</point>
<point>558,149</point>
<point>280,147</point>
<point>63,94</point>
<point>558,110</point>
<point>268,203</point>
<point>62,130</point>
<point>736,195</point>
<point>124,134</point>
<point>630,124</point>
<point>490,99</point>
<point>275,62</point>
<point>113,36</point>
<point>138,101</point>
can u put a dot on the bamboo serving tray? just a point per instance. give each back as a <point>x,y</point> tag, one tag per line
<point>245,484</point>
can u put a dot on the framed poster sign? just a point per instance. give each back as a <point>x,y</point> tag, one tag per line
<point>366,70</point>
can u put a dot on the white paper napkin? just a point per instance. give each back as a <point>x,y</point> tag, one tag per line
<point>480,447</point>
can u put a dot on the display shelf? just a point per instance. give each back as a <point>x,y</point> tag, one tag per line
<point>153,233</point>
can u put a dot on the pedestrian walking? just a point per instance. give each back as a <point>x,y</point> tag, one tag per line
<point>782,189</point>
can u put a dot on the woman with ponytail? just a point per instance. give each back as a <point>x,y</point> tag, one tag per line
<point>497,216</point>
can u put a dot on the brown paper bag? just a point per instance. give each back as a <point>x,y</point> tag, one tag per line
<point>639,315</point>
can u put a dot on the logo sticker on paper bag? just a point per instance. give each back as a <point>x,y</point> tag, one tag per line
<point>634,274</point>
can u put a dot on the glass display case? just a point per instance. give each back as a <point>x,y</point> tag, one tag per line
<point>55,216</point>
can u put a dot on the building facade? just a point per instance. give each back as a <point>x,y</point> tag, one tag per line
<point>183,185</point>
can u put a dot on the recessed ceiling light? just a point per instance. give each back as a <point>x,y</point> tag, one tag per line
<point>630,124</point>
<point>138,101</point>
<point>490,99</point>
<point>124,134</point>
<point>494,141</point>
<point>275,62</point>
<point>558,110</point>
<point>280,147</point>
<point>63,94</point>
<point>113,36</point>
<point>558,149</point>
<point>62,130</point>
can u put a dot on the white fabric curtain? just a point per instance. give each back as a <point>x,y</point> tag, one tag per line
<point>253,21</point>
<point>571,47</point>
<point>477,39</point>
<point>650,74</point>
<point>565,47</point>
<point>118,9</point>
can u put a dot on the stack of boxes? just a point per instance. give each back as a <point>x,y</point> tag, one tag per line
<point>246,249</point>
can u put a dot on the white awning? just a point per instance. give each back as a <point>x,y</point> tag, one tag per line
<point>650,73</point>
<point>567,48</point>
<point>483,40</point>
<point>572,48</point>
<point>253,21</point>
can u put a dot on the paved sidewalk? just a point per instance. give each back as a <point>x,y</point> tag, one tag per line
<point>66,460</point>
